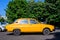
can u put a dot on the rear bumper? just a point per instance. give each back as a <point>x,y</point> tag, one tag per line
<point>5,30</point>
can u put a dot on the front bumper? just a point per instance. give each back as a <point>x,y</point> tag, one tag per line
<point>53,29</point>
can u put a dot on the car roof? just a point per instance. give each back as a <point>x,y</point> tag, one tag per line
<point>25,18</point>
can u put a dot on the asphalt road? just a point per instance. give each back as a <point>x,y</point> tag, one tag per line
<point>30,36</point>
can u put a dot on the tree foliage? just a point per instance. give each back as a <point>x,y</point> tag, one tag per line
<point>23,9</point>
<point>2,19</point>
<point>53,7</point>
<point>16,9</point>
<point>48,10</point>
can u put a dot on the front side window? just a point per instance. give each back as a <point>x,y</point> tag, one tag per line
<point>24,22</point>
<point>33,22</point>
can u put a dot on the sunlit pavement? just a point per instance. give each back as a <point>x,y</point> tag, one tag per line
<point>32,36</point>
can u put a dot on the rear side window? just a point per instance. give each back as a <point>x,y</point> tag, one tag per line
<point>24,22</point>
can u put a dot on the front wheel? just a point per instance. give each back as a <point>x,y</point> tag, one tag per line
<point>16,32</point>
<point>46,31</point>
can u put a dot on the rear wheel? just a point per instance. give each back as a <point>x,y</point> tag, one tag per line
<point>16,32</point>
<point>46,31</point>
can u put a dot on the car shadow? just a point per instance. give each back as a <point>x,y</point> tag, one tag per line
<point>56,36</point>
<point>32,33</point>
<point>27,34</point>
<point>38,33</point>
<point>10,34</point>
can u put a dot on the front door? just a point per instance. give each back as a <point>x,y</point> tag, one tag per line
<point>34,26</point>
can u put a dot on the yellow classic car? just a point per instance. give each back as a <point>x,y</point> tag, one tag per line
<point>29,25</point>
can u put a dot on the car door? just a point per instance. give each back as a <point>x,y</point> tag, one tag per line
<point>34,26</point>
<point>24,25</point>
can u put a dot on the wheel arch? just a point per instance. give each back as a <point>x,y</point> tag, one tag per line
<point>47,28</point>
<point>16,29</point>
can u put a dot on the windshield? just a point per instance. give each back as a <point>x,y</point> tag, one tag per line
<point>15,20</point>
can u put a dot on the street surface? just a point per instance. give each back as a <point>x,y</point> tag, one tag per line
<point>30,36</point>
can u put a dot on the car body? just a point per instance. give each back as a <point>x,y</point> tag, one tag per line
<point>28,25</point>
<point>2,26</point>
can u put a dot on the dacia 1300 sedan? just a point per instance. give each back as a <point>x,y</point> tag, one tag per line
<point>29,25</point>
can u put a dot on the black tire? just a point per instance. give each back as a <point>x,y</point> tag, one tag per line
<point>0,30</point>
<point>16,32</point>
<point>46,31</point>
